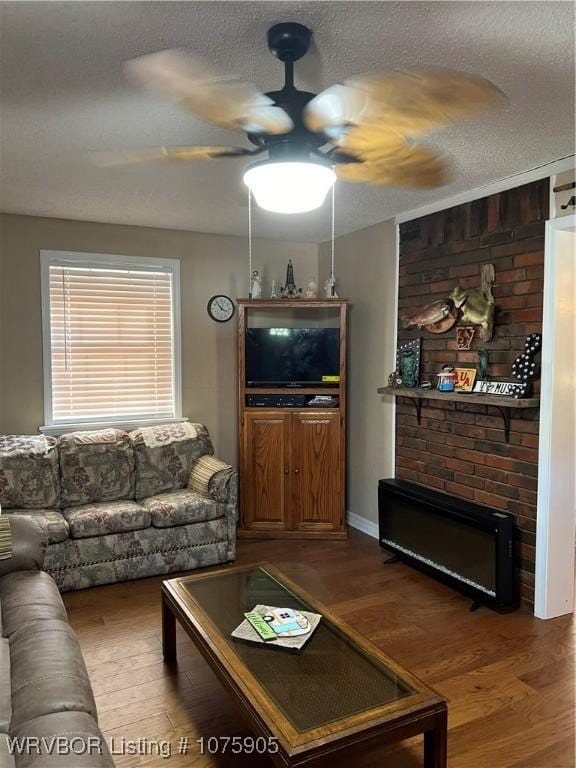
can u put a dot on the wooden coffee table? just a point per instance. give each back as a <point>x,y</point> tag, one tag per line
<point>338,693</point>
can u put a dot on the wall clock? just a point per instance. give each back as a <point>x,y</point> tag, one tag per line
<point>221,308</point>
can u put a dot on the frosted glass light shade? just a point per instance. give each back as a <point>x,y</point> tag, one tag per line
<point>289,187</point>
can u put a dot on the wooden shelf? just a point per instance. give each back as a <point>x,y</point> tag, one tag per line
<point>460,397</point>
<point>503,403</point>
<point>292,303</point>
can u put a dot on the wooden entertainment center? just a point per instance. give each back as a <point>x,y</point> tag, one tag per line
<point>292,459</point>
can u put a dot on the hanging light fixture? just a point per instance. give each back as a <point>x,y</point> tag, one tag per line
<point>296,177</point>
<point>289,186</point>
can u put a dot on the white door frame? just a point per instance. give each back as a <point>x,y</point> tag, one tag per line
<point>556,511</point>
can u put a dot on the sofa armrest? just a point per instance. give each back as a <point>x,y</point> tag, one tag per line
<point>29,541</point>
<point>223,486</point>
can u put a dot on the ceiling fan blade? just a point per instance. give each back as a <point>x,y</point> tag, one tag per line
<point>227,102</point>
<point>372,140</point>
<point>155,154</point>
<point>417,167</point>
<point>407,104</point>
<point>421,101</point>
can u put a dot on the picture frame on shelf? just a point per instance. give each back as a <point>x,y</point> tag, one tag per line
<point>503,388</point>
<point>466,379</point>
<point>408,362</point>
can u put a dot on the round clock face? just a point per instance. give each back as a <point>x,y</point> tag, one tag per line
<point>220,308</point>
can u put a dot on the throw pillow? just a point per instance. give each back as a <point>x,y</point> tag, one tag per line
<point>202,471</point>
<point>5,537</point>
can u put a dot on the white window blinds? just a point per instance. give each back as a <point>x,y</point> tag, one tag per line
<point>112,343</point>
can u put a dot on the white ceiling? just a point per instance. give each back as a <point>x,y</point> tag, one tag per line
<point>63,93</point>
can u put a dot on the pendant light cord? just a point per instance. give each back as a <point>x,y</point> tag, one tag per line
<point>249,243</point>
<point>332,286</point>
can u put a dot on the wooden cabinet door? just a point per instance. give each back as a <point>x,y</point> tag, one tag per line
<point>265,481</point>
<point>317,471</point>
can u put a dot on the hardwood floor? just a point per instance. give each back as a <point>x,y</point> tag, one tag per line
<point>509,679</point>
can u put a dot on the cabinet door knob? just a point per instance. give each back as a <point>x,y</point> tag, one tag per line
<point>286,471</point>
<point>296,471</point>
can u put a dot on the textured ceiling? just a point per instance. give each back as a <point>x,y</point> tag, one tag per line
<point>63,93</point>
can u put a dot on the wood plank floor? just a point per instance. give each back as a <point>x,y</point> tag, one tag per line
<point>509,680</point>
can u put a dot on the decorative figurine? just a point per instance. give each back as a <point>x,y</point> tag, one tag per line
<point>256,289</point>
<point>289,291</point>
<point>476,305</point>
<point>437,317</point>
<point>273,294</point>
<point>408,369</point>
<point>395,380</point>
<point>447,379</point>
<point>311,290</point>
<point>464,337</point>
<point>524,368</point>
<point>483,364</point>
<point>471,306</point>
<point>330,288</point>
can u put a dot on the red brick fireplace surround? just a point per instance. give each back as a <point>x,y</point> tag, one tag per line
<point>460,449</point>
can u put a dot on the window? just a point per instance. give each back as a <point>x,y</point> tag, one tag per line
<point>111,327</point>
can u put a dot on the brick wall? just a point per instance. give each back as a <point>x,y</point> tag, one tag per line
<point>459,448</point>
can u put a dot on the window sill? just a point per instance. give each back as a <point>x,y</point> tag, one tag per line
<point>54,430</point>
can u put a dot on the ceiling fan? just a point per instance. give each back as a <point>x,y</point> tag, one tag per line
<point>361,131</point>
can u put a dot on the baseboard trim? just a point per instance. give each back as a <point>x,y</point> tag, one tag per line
<point>362,524</point>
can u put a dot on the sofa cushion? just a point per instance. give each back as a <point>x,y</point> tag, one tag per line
<point>96,466</point>
<point>165,455</point>
<point>5,689</point>
<point>181,508</point>
<point>48,672</point>
<point>108,517</point>
<point>53,521</point>
<point>88,748</point>
<point>27,597</point>
<point>81,563</point>
<point>29,475</point>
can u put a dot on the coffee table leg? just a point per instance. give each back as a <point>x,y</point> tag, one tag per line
<point>436,744</point>
<point>168,632</point>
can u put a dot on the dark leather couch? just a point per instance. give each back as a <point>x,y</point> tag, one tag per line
<point>45,691</point>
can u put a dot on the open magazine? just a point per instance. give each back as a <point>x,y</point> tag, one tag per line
<point>279,627</point>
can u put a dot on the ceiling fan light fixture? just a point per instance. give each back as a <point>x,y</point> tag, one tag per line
<point>289,186</point>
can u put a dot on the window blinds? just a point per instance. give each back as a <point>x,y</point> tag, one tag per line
<point>111,343</point>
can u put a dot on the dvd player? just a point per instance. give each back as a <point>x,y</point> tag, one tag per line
<point>276,401</point>
<point>292,401</point>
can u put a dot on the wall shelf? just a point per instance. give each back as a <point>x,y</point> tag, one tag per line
<point>292,303</point>
<point>502,403</point>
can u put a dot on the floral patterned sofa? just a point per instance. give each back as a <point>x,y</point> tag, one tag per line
<point>119,506</point>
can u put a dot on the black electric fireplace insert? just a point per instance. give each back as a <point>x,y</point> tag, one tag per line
<point>467,546</point>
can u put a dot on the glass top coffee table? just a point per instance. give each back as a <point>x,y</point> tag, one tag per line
<point>338,691</point>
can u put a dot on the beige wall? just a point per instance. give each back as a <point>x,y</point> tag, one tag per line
<point>365,268</point>
<point>209,264</point>
<point>366,272</point>
<point>1,329</point>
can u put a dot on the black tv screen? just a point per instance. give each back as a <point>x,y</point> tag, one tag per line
<point>292,357</point>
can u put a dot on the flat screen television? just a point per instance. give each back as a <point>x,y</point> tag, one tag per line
<point>294,357</point>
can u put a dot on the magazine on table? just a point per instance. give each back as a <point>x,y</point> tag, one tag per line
<point>277,627</point>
